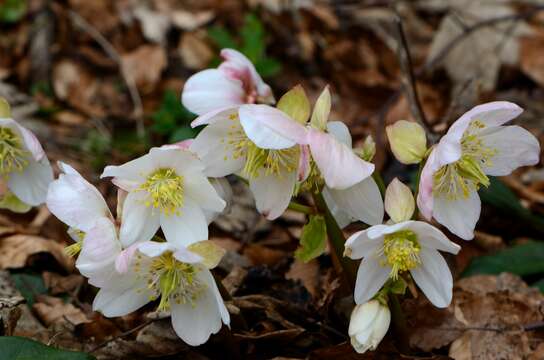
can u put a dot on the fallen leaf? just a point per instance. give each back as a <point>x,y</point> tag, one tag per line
<point>58,284</point>
<point>195,53</point>
<point>189,20</point>
<point>52,310</point>
<point>145,65</point>
<point>16,249</point>
<point>307,273</point>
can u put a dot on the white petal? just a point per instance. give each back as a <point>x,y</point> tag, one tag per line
<point>340,166</point>
<point>114,302</point>
<point>154,248</point>
<point>459,216</point>
<point>340,131</point>
<point>515,147</point>
<point>213,148</point>
<point>32,143</point>
<point>361,245</point>
<point>342,218</point>
<point>270,128</point>
<point>362,201</point>
<point>434,278</point>
<point>272,193</point>
<point>31,185</point>
<point>140,222</point>
<point>195,323</point>
<point>75,201</point>
<point>188,227</point>
<point>187,256</point>
<point>135,170</point>
<point>182,160</point>
<point>431,237</point>
<point>199,188</point>
<point>211,89</point>
<point>370,278</point>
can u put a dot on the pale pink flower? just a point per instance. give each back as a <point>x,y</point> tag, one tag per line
<point>475,146</point>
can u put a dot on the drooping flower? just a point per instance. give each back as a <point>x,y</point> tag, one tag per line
<point>77,203</point>
<point>179,277</point>
<point>391,251</point>
<point>262,144</point>
<point>475,146</point>
<point>221,91</point>
<point>24,167</point>
<point>368,325</point>
<point>168,189</point>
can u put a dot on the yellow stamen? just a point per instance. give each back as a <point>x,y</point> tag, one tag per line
<point>401,250</point>
<point>13,157</point>
<point>165,189</point>
<point>74,249</point>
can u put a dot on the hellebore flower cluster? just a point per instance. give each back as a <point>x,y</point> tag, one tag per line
<point>282,151</point>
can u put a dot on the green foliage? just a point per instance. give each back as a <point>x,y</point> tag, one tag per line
<point>251,41</point>
<point>522,260</point>
<point>11,11</point>
<point>19,348</point>
<point>313,240</point>
<point>29,285</point>
<point>97,144</point>
<point>173,119</point>
<point>500,196</point>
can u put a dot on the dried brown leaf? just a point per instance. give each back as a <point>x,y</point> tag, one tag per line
<point>16,249</point>
<point>52,310</point>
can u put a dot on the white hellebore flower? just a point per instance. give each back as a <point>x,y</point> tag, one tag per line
<point>388,251</point>
<point>475,146</point>
<point>221,91</point>
<point>261,143</point>
<point>179,277</point>
<point>24,167</point>
<point>368,325</point>
<point>166,188</point>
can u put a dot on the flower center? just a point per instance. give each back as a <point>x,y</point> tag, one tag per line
<point>165,190</point>
<point>401,250</point>
<point>12,154</point>
<point>459,179</point>
<point>172,280</point>
<point>75,248</point>
<point>271,161</point>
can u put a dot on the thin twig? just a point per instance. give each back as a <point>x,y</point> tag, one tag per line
<point>126,333</point>
<point>114,55</point>
<point>409,80</point>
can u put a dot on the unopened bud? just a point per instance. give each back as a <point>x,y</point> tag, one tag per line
<point>368,325</point>
<point>408,141</point>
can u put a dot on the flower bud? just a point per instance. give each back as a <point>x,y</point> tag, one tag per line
<point>368,150</point>
<point>408,141</point>
<point>368,325</point>
<point>399,201</point>
<point>322,109</point>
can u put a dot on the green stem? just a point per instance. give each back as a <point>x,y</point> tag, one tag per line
<point>400,327</point>
<point>337,241</point>
<point>301,208</point>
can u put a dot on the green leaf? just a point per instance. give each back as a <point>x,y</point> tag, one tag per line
<point>268,67</point>
<point>29,285</point>
<point>183,133</point>
<point>253,38</point>
<point>522,260</point>
<point>313,240</point>
<point>500,196</point>
<point>20,348</point>
<point>222,37</point>
<point>11,11</point>
<point>170,115</point>
<point>539,285</point>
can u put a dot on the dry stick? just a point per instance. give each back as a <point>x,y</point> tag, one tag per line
<point>114,55</point>
<point>126,333</point>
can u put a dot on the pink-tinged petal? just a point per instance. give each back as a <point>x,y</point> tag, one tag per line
<point>434,278</point>
<point>182,145</point>
<point>370,278</point>
<point>273,193</point>
<point>216,115</point>
<point>75,201</point>
<point>237,66</point>
<point>31,142</point>
<point>31,185</point>
<point>432,238</point>
<point>195,323</point>
<point>270,128</point>
<point>303,163</point>
<point>361,201</point>
<point>210,90</point>
<point>124,259</point>
<point>514,147</point>
<point>340,166</point>
<point>426,181</point>
<point>212,146</point>
<point>360,245</point>
<point>458,216</point>
<point>340,131</point>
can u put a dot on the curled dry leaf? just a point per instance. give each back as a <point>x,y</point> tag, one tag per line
<point>194,51</point>
<point>58,284</point>
<point>145,65</point>
<point>16,249</point>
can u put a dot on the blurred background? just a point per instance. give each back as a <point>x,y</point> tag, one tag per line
<point>100,81</point>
